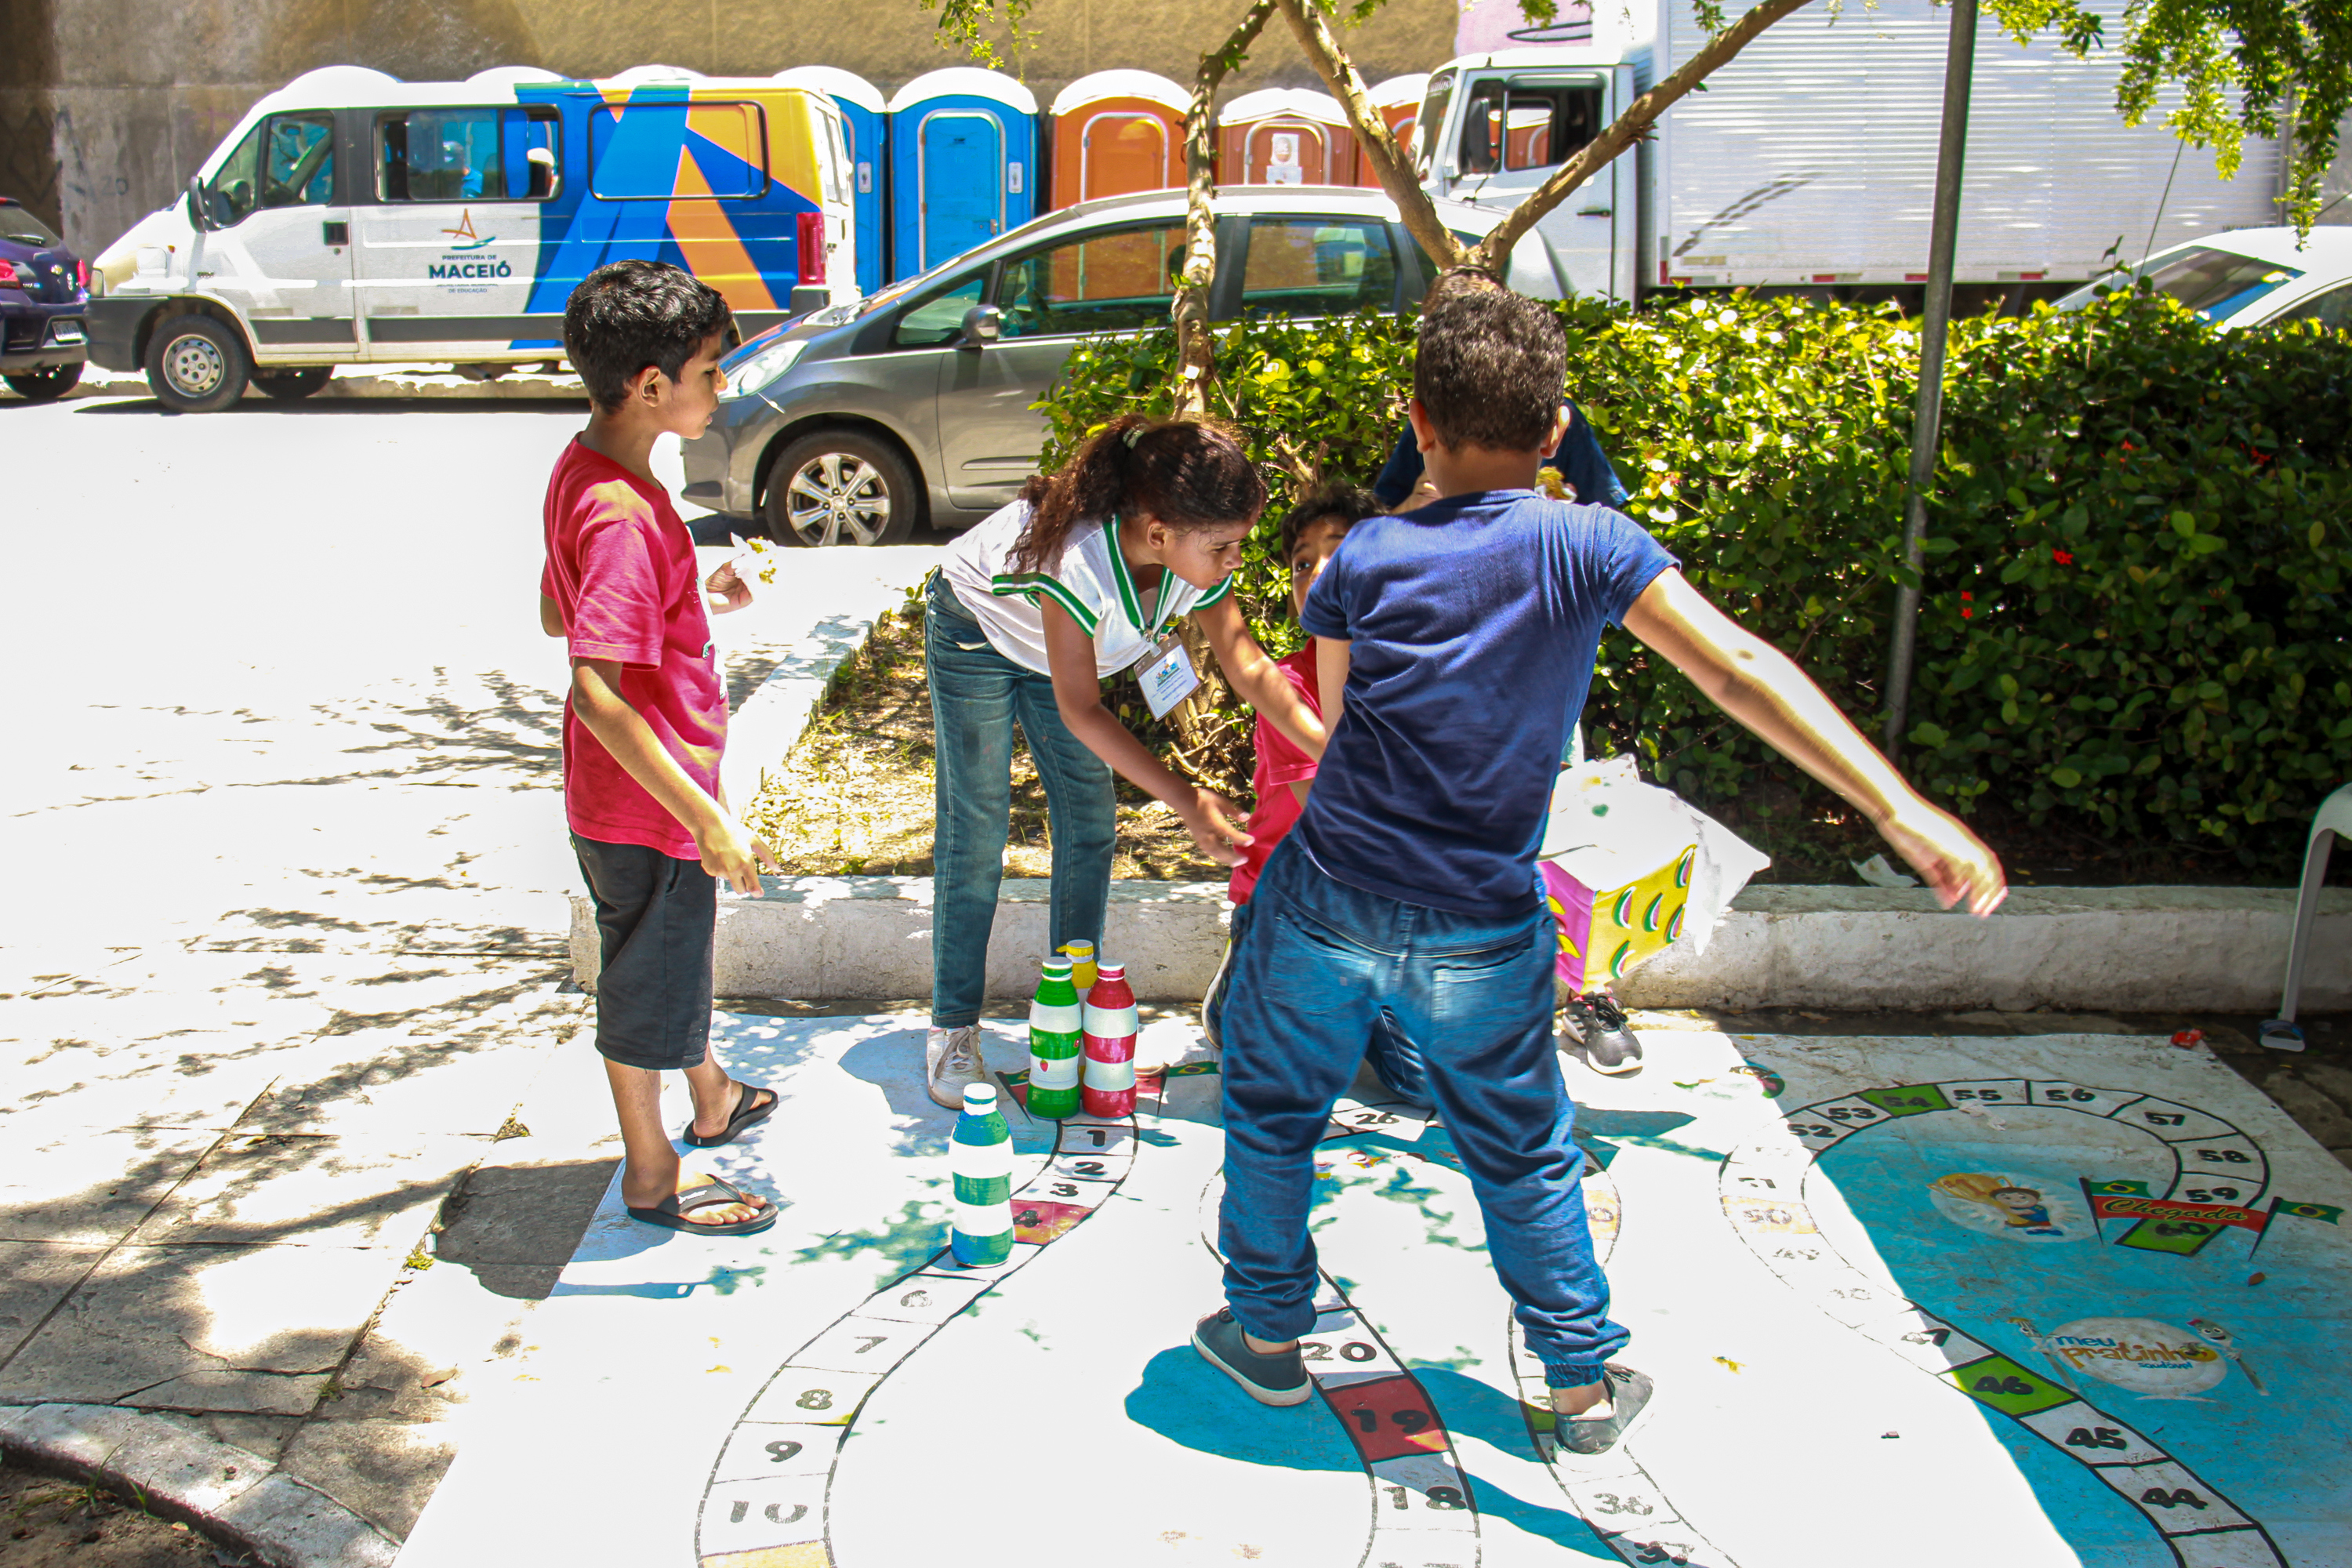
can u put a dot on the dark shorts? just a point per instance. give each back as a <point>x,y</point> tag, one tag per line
<point>655,915</point>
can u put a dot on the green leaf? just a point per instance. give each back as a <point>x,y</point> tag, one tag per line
<point>2065,778</point>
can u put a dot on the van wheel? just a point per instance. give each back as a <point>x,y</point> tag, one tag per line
<point>196,364</point>
<point>838,487</point>
<point>50,381</point>
<point>292,385</point>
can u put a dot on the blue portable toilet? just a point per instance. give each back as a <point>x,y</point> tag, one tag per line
<point>963,165</point>
<point>867,124</point>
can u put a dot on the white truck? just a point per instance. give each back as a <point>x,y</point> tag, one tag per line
<point>1810,161</point>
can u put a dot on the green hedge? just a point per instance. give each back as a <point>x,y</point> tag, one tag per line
<point>2136,618</point>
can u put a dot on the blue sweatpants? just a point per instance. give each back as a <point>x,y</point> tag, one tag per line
<point>1470,999</point>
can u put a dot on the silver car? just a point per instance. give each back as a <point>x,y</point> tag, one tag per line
<point>861,422</point>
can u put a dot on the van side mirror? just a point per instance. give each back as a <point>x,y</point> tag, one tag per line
<point>197,217</point>
<point>982,325</point>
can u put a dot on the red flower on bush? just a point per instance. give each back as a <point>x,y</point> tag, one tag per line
<point>1965,613</point>
<point>2064,557</point>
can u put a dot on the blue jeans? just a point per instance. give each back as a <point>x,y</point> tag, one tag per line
<point>977,696</point>
<point>1318,964</point>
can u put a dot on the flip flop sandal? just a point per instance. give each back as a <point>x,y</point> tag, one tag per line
<point>671,1211</point>
<point>749,1110</point>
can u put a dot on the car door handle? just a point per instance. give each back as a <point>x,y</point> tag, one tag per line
<point>335,231</point>
<point>1593,211</point>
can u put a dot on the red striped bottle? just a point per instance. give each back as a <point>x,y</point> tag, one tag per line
<point>1109,1044</point>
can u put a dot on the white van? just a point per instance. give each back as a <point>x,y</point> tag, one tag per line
<point>351,218</point>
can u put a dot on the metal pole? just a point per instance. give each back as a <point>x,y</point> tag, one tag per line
<point>1927,429</point>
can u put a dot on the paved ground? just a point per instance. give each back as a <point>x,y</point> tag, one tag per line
<point>284,827</point>
<point>303,1136</point>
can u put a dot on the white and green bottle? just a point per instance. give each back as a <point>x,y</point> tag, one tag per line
<point>980,1156</point>
<point>1054,1023</point>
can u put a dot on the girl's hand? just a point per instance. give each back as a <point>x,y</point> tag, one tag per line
<point>1210,822</point>
<point>1957,864</point>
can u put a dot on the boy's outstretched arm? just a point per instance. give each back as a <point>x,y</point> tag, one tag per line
<point>1253,675</point>
<point>1762,688</point>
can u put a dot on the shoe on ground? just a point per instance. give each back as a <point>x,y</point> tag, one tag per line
<point>1278,1379</point>
<point>951,1064</point>
<point>1599,1026</point>
<point>1629,1396</point>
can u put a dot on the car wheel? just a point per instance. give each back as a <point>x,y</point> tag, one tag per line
<point>196,364</point>
<point>49,382</point>
<point>292,385</point>
<point>838,487</point>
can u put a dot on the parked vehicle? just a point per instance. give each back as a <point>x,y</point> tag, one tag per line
<point>351,218</point>
<point>2250,278</point>
<point>44,291</point>
<point>1809,161</point>
<point>864,420</point>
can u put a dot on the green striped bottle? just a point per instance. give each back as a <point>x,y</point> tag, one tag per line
<point>1054,1045</point>
<point>980,1156</point>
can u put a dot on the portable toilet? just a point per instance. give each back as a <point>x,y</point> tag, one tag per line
<point>963,155</point>
<point>1118,131</point>
<point>865,125</point>
<point>1285,136</point>
<point>1399,101</point>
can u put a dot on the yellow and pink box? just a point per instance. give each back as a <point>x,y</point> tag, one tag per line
<point>1628,869</point>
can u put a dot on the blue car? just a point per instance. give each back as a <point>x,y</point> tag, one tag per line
<point>44,297</point>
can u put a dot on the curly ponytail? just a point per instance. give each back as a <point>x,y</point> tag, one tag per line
<point>1189,474</point>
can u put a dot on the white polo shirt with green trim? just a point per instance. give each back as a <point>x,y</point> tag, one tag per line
<point>1091,582</point>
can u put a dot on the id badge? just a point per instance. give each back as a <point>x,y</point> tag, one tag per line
<point>1167,678</point>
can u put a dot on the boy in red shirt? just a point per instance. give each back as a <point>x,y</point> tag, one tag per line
<point>644,726</point>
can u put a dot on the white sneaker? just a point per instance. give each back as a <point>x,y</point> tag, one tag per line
<point>951,1064</point>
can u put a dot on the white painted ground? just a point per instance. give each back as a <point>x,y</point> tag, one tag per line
<point>1061,1419</point>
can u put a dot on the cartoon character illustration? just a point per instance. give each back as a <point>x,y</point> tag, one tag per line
<point>2019,1208</point>
<point>2227,1344</point>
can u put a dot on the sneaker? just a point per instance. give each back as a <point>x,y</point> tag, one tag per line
<point>1279,1379</point>
<point>1629,1396</point>
<point>951,1064</point>
<point>1599,1025</point>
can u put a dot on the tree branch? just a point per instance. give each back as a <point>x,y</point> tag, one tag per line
<point>1394,170</point>
<point>1196,360</point>
<point>1495,255</point>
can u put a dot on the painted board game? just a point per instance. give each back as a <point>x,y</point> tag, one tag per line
<point>2063,1300</point>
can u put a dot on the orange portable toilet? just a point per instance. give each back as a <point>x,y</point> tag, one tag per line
<point>1399,101</point>
<point>1118,131</point>
<point>1283,136</point>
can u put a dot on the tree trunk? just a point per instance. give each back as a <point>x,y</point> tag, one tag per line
<point>1389,162</point>
<point>1196,362</point>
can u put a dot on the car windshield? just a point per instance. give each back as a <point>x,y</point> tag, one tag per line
<point>22,227</point>
<point>2218,284</point>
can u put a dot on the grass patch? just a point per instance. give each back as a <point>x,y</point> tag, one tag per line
<point>854,796</point>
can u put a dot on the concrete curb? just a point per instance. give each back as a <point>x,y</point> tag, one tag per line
<point>2073,949</point>
<point>233,1496</point>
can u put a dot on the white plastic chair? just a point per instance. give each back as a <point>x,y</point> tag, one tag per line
<point>2334,816</point>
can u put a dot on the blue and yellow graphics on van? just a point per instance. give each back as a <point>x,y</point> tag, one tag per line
<point>473,209</point>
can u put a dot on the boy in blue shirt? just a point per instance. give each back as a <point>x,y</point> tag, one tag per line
<point>1454,649</point>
